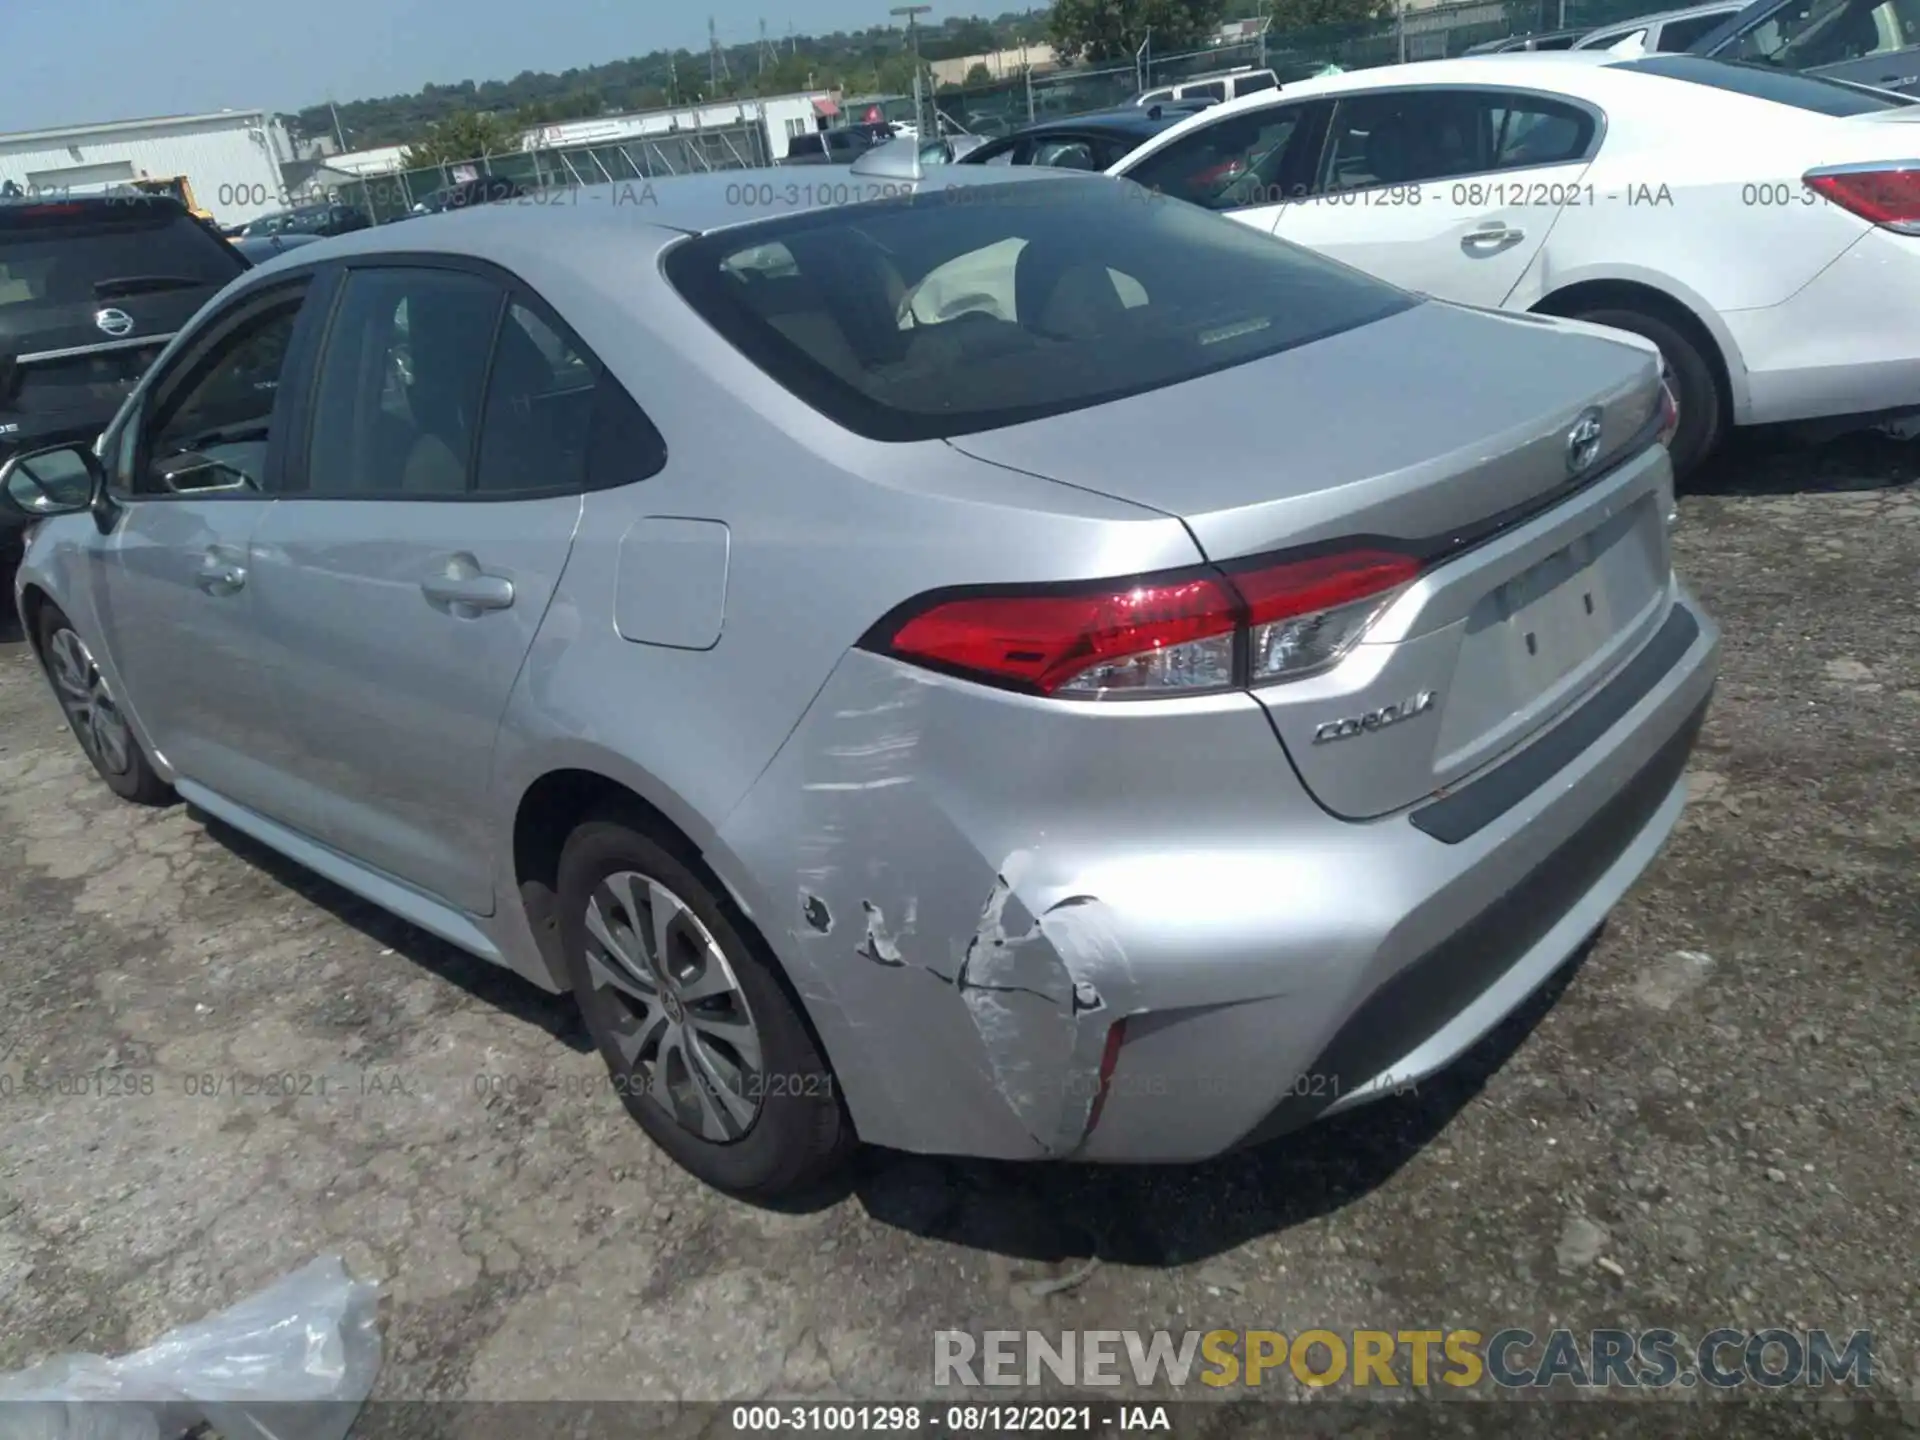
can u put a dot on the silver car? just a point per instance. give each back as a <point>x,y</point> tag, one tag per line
<point>1196,689</point>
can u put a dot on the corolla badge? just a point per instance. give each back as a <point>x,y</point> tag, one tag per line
<point>114,322</point>
<point>1583,442</point>
<point>1375,720</point>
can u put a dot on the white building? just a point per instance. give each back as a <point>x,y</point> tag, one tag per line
<point>781,116</point>
<point>231,159</point>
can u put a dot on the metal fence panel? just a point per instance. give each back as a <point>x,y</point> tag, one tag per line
<point>726,147</point>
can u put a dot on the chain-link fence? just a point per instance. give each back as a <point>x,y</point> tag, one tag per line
<point>1425,33</point>
<point>722,147</point>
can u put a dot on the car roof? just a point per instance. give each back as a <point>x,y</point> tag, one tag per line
<point>652,212</point>
<point>1548,68</point>
<point>1121,120</point>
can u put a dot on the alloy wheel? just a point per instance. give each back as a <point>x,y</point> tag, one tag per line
<point>89,705</point>
<point>677,1012</point>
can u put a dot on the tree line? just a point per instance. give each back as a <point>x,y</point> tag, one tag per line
<point>459,121</point>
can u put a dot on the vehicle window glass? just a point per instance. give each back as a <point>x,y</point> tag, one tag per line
<point>1001,157</point>
<point>1782,87</point>
<point>1606,40</point>
<point>1677,35</point>
<point>539,410</point>
<point>1248,84</point>
<point>1829,32</point>
<point>212,429</point>
<point>1530,131</point>
<point>1236,162</point>
<point>1064,154</point>
<point>1410,137</point>
<point>399,394</point>
<point>1211,90</point>
<point>914,319</point>
<point>79,264</point>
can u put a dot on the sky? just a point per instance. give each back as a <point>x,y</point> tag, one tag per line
<point>75,62</point>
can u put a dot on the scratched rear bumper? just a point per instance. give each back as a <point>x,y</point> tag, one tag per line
<point>969,889</point>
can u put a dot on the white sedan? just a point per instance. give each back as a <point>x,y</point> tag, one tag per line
<point>1761,227</point>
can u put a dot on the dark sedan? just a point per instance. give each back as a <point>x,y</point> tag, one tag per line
<point>1083,142</point>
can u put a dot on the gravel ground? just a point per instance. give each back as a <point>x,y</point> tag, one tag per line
<point>1710,1120</point>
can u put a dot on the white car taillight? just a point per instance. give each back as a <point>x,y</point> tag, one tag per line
<point>1306,614</point>
<point>1182,633</point>
<point>1884,193</point>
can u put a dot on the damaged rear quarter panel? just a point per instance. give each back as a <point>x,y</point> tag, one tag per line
<point>921,843</point>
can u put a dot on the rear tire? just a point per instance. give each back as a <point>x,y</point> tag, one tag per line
<point>94,714</point>
<point>704,1044</point>
<point>1696,385</point>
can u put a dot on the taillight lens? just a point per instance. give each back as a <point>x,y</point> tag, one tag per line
<point>1167,636</point>
<point>1886,195</point>
<point>1305,614</point>
<point>1160,635</point>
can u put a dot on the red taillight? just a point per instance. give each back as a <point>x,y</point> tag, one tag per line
<point>1886,195</point>
<point>1326,582</point>
<point>1159,635</point>
<point>1048,641</point>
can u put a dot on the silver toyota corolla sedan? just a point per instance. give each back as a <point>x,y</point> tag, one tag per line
<point>996,663</point>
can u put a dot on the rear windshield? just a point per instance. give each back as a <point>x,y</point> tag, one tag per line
<point>90,260</point>
<point>968,308</point>
<point>1763,82</point>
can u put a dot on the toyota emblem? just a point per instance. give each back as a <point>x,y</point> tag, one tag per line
<point>1583,442</point>
<point>114,322</point>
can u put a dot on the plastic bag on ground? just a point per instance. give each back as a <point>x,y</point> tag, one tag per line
<point>291,1362</point>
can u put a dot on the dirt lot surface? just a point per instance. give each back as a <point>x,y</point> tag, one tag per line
<point>1711,1120</point>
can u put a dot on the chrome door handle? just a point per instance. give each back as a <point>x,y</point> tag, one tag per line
<point>1489,236</point>
<point>469,592</point>
<point>217,577</point>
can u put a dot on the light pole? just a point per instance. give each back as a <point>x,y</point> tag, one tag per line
<point>913,14</point>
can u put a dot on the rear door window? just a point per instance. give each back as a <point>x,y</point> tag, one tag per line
<point>1808,33</point>
<point>1410,137</point>
<point>1253,158</point>
<point>397,403</point>
<point>916,319</point>
<point>555,420</point>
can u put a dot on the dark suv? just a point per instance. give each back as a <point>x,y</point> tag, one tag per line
<point>836,147</point>
<point>91,289</point>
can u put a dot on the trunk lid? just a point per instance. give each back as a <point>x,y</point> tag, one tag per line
<point>1446,429</point>
<point>1432,420</point>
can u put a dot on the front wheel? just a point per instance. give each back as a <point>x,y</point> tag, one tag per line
<point>703,1043</point>
<point>95,715</point>
<point>1688,373</point>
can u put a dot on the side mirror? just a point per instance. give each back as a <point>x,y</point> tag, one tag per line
<point>61,480</point>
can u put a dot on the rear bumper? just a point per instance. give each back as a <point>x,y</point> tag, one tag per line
<point>1462,934</point>
<point>1833,349</point>
<point>968,890</point>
